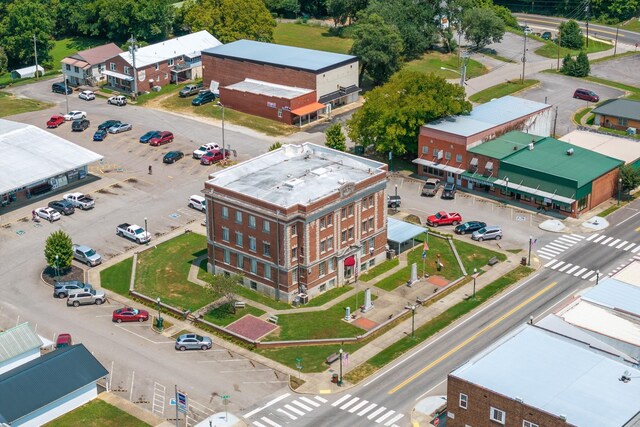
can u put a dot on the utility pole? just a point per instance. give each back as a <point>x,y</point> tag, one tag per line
<point>463,68</point>
<point>615,46</point>
<point>35,53</point>
<point>587,10</point>
<point>555,121</point>
<point>133,47</point>
<point>524,56</point>
<point>559,43</point>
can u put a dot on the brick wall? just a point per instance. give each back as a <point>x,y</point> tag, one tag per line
<point>259,105</point>
<point>603,188</point>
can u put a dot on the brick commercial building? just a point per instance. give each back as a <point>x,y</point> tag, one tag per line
<point>283,83</point>
<point>620,114</point>
<point>443,144</point>
<point>298,220</point>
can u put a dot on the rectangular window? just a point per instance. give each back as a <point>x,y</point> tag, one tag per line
<point>266,249</point>
<point>238,217</point>
<point>252,244</point>
<point>323,288</point>
<point>463,401</point>
<point>240,262</point>
<point>294,254</point>
<point>254,266</point>
<point>266,226</point>
<point>329,220</point>
<point>76,69</point>
<point>227,256</point>
<point>330,243</point>
<point>294,230</point>
<point>344,235</point>
<point>330,265</point>
<point>170,62</point>
<point>458,158</point>
<point>68,67</point>
<point>447,155</point>
<point>294,276</point>
<point>370,201</point>
<point>322,269</point>
<point>267,271</point>
<point>225,212</point>
<point>370,223</point>
<point>112,66</point>
<point>343,213</point>
<point>350,210</point>
<point>350,233</point>
<point>157,65</point>
<point>497,415</point>
<point>364,226</point>
<point>526,423</point>
<point>253,285</point>
<point>425,150</point>
<point>127,70</point>
<point>372,243</point>
<point>225,234</point>
<point>252,221</point>
<point>622,121</point>
<point>323,223</point>
<point>323,246</point>
<point>238,238</point>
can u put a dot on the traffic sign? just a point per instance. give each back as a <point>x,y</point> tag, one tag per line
<point>182,401</point>
<point>172,402</point>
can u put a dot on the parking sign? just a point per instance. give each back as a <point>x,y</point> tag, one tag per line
<point>182,401</point>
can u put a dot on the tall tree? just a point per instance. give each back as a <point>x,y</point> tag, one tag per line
<point>285,8</point>
<point>4,62</point>
<point>315,8</point>
<point>335,138</point>
<point>392,114</point>
<point>342,10</point>
<point>58,250</point>
<point>630,176</point>
<point>570,35</point>
<point>225,288</point>
<point>481,26</point>
<point>378,46</point>
<point>230,20</point>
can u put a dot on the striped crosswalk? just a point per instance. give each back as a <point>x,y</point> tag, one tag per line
<point>614,243</point>
<point>554,249</point>
<point>572,269</point>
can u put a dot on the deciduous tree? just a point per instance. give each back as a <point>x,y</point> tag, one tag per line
<point>481,26</point>
<point>335,138</point>
<point>570,35</point>
<point>224,288</point>
<point>3,61</point>
<point>630,176</point>
<point>285,8</point>
<point>58,244</point>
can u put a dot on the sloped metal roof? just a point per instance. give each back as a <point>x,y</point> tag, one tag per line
<point>625,108</point>
<point>400,231</point>
<point>18,340</point>
<point>615,294</point>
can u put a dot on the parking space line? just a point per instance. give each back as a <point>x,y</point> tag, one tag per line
<point>140,336</point>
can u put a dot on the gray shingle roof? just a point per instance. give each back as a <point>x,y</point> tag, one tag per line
<point>18,340</point>
<point>624,108</point>
<point>46,379</point>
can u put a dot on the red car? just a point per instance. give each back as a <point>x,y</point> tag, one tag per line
<point>444,218</point>
<point>163,137</point>
<point>129,314</point>
<point>214,156</point>
<point>55,121</point>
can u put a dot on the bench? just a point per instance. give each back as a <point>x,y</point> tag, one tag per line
<point>239,304</point>
<point>273,319</point>
<point>493,261</point>
<point>332,358</point>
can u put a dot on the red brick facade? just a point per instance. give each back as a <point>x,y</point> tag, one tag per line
<point>153,76</point>
<point>270,107</point>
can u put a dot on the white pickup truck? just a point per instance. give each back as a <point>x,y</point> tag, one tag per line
<point>133,232</point>
<point>80,200</point>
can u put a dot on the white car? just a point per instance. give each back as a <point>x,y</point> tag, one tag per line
<point>117,100</point>
<point>122,127</point>
<point>212,146</point>
<point>48,213</point>
<point>75,115</point>
<point>87,95</point>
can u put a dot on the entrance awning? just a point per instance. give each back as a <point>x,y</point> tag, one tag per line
<point>117,75</point>
<point>440,166</point>
<point>307,109</point>
<point>533,191</point>
<point>350,261</point>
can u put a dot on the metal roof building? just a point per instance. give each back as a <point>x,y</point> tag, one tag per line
<point>624,108</point>
<point>18,345</point>
<point>626,149</point>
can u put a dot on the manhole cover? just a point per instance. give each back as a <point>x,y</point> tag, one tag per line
<point>521,218</point>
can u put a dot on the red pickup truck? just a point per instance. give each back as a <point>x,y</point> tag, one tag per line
<point>55,121</point>
<point>444,218</point>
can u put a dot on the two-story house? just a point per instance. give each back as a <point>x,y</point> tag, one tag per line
<point>86,66</point>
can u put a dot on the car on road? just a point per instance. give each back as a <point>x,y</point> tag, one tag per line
<point>64,207</point>
<point>586,95</point>
<point>118,100</point>
<point>431,187</point>
<point>198,203</point>
<point>122,127</point>
<point>526,29</point>
<point>55,121</point>
<point>75,115</point>
<point>86,255</point>
<point>546,35</point>
<point>487,233</point>
<point>80,125</point>
<point>108,124</point>
<point>444,218</point>
<point>211,157</point>
<point>172,157</point>
<point>193,342</point>
<point>129,314</point>
<point>64,340</point>
<point>448,191</point>
<point>204,148</point>
<point>163,137</point>
<point>147,136</point>
<point>203,97</point>
<point>100,135</point>
<point>63,289</point>
<point>60,87</point>
<point>78,298</point>
<point>87,95</point>
<point>394,201</point>
<point>48,214</point>
<point>469,227</point>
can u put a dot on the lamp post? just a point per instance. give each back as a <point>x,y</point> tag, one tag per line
<point>145,228</point>
<point>619,189</point>
<point>219,104</point>
<point>462,73</point>
<point>413,323</point>
<point>475,276</point>
<point>57,268</point>
<point>597,276</point>
<point>507,181</point>
<point>159,325</point>
<point>395,205</point>
<point>529,258</point>
<point>340,377</point>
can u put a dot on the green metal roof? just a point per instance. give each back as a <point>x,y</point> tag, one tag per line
<point>505,145</point>
<point>625,108</point>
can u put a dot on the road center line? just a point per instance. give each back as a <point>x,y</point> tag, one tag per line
<point>472,338</point>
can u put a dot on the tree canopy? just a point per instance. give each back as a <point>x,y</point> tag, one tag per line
<point>335,138</point>
<point>23,20</point>
<point>482,26</point>
<point>392,114</point>
<point>630,176</point>
<point>286,8</point>
<point>58,244</point>
<point>570,35</point>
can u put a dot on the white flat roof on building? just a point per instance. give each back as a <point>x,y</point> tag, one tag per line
<point>270,89</point>
<point>31,154</point>
<point>609,145</point>
<point>296,174</point>
<point>630,274</point>
<point>558,375</point>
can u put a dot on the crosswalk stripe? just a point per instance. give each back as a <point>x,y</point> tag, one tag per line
<point>367,409</point>
<point>271,423</point>
<point>630,246</point>
<point>320,399</point>
<point>292,409</point>
<point>621,244</point>
<point>349,403</point>
<point>588,274</point>
<point>394,419</point>
<point>358,406</point>
<point>579,272</point>
<point>550,263</point>
<point>342,399</point>
<point>545,256</point>
<point>607,240</point>
<point>376,412</point>
<point>593,236</point>
<point>565,267</point>
<point>636,249</point>
<point>565,241</point>
<point>302,405</point>
<point>557,265</point>
<point>575,236</point>
<point>293,417</point>
<point>572,269</point>
<point>549,250</point>
<point>558,246</point>
<point>593,279</point>
<point>599,238</point>
<point>385,416</point>
<point>257,424</point>
<point>614,242</point>
<point>309,401</point>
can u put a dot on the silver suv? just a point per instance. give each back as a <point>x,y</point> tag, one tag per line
<point>487,233</point>
<point>431,187</point>
<point>193,342</point>
<point>83,297</point>
<point>62,289</point>
<point>86,255</point>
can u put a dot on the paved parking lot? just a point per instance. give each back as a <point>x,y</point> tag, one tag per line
<point>623,70</point>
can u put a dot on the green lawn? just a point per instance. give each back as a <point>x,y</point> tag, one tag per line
<point>379,269</point>
<point>310,37</point>
<point>580,114</point>
<point>328,296</point>
<point>97,413</point>
<point>500,90</point>
<point>117,277</point>
<point>431,63</point>
<point>10,105</point>
<point>172,89</point>
<point>474,256</point>
<point>632,25</point>
<point>70,45</point>
<point>223,315</point>
<point>313,357</point>
<point>550,49</point>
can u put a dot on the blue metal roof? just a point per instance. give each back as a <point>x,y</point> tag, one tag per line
<point>400,231</point>
<point>615,294</point>
<point>280,56</point>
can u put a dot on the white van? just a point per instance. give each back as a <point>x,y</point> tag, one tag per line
<point>198,203</point>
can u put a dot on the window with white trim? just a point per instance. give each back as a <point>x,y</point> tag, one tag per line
<point>266,226</point>
<point>330,243</point>
<point>497,415</point>
<point>127,70</point>
<point>252,221</point>
<point>463,401</point>
<point>266,249</point>
<point>112,66</point>
<point>225,212</point>
<point>225,234</point>
<point>526,423</point>
<point>331,265</point>
<point>238,217</point>
<point>238,238</point>
<point>170,62</point>
<point>240,261</point>
<point>323,223</point>
<point>252,244</point>
<point>227,256</point>
<point>425,150</point>
<point>267,271</point>
<point>254,266</point>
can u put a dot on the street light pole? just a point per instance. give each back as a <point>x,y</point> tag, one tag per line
<point>340,378</point>
<point>529,259</point>
<point>395,205</point>
<point>475,275</point>
<point>145,228</point>
<point>619,188</point>
<point>219,104</point>
<point>413,323</point>
<point>159,325</point>
<point>57,268</point>
<point>597,276</point>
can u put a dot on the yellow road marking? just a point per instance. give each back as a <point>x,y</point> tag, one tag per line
<point>638,229</point>
<point>471,338</point>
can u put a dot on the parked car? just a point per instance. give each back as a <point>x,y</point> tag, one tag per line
<point>129,314</point>
<point>163,137</point>
<point>87,95</point>
<point>80,125</point>
<point>83,297</point>
<point>80,200</point>
<point>189,90</point>
<point>64,340</point>
<point>198,203</point>
<point>55,121</point>
<point>172,157</point>
<point>394,201</point>
<point>431,187</point>
<point>546,35</point>
<point>193,342</point>
<point>118,100</point>
<point>122,127</point>
<point>75,115</point>
<point>203,97</point>
<point>48,214</point>
<point>487,233</point>
<point>444,218</point>
<point>147,136</point>
<point>63,289</point>
<point>86,255</point>
<point>60,87</point>
<point>64,207</point>
<point>108,124</point>
<point>204,148</point>
<point>586,94</point>
<point>133,232</point>
<point>100,135</point>
<point>449,191</point>
<point>469,227</point>
<point>211,157</point>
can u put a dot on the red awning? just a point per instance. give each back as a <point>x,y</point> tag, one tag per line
<point>311,108</point>
<point>350,261</point>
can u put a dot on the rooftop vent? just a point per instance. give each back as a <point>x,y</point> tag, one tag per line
<point>293,183</point>
<point>530,146</point>
<point>570,152</point>
<point>515,147</point>
<point>320,171</point>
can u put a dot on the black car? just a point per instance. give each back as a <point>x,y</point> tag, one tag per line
<point>449,191</point>
<point>100,135</point>
<point>172,156</point>
<point>60,87</point>
<point>394,201</point>
<point>469,227</point>
<point>80,125</point>
<point>109,123</point>
<point>203,97</point>
<point>147,136</point>
<point>62,206</point>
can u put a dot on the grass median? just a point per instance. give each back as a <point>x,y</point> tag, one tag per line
<point>550,49</point>
<point>11,105</point>
<point>500,90</point>
<point>97,413</point>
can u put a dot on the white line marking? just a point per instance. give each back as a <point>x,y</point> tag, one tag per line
<point>588,274</point>
<point>376,412</point>
<point>625,220</point>
<point>544,256</point>
<point>557,265</point>
<point>271,423</point>
<point>621,244</point>
<point>550,249</point>
<point>276,400</point>
<point>558,246</point>
<point>548,253</point>
<point>572,269</point>
<point>565,267</point>
<point>567,240</point>
<point>630,246</point>
<point>614,242</point>
<point>309,401</point>
<point>293,417</point>
<point>636,249</point>
<point>385,416</point>
<point>320,399</point>
<point>257,424</point>
<point>303,406</point>
<point>579,272</point>
<point>358,406</point>
<point>599,238</point>
<point>575,236</point>
<point>342,399</point>
<point>593,236</point>
<point>607,240</point>
<point>550,263</point>
<point>593,279</point>
<point>394,419</point>
<point>292,409</point>
<point>349,403</point>
<point>367,409</point>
